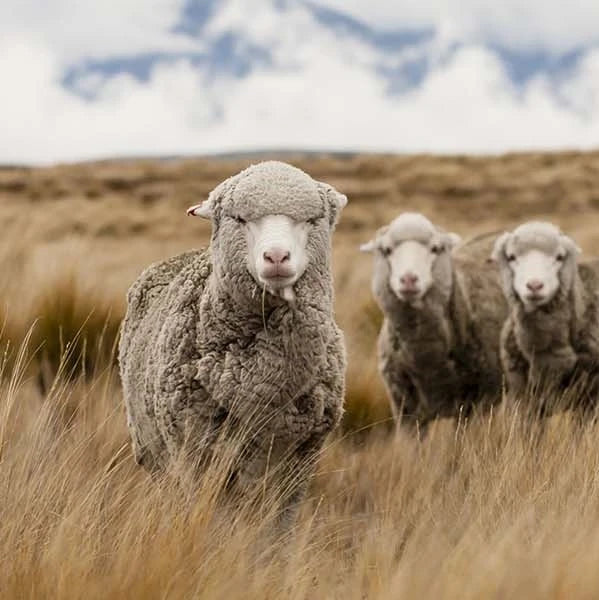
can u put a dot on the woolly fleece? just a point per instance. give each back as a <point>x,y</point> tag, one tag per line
<point>443,358</point>
<point>559,341</point>
<point>203,351</point>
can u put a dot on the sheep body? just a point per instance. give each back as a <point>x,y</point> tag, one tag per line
<point>206,352</point>
<point>442,355</point>
<point>555,343</point>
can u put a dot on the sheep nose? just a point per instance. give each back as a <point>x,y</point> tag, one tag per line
<point>535,285</point>
<point>409,279</point>
<point>276,256</point>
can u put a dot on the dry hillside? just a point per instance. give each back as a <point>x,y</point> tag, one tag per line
<point>492,509</point>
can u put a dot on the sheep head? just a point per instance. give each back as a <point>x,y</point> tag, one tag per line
<point>412,256</point>
<point>537,262</point>
<point>272,222</point>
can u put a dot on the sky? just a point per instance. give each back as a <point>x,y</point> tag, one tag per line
<point>85,79</point>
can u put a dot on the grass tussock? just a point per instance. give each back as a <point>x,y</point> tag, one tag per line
<point>503,505</point>
<point>366,404</point>
<point>76,330</point>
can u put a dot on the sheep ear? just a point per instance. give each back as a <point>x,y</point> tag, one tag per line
<point>454,239</point>
<point>206,208</point>
<point>368,246</point>
<point>572,247</point>
<point>203,210</point>
<point>337,201</point>
<point>498,253</point>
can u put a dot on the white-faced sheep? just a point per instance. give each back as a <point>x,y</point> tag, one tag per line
<point>552,333</point>
<point>241,334</point>
<point>438,348</point>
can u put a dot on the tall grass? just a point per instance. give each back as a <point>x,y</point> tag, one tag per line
<point>366,404</point>
<point>501,506</point>
<point>70,329</point>
<point>76,330</point>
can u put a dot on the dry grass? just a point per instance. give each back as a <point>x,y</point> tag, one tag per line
<point>498,507</point>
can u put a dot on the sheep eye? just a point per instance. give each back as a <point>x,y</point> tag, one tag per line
<point>313,221</point>
<point>240,220</point>
<point>511,257</point>
<point>437,249</point>
<point>560,257</point>
<point>385,251</point>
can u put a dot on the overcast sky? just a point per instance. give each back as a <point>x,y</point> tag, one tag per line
<point>320,90</point>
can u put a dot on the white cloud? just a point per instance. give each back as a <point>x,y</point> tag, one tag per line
<point>465,105</point>
<point>324,93</point>
<point>79,29</point>
<point>552,25</point>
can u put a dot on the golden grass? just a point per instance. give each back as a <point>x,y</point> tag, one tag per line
<point>498,507</point>
<point>501,506</point>
<point>75,331</point>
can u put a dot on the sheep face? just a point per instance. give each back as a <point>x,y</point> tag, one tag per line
<point>277,253</point>
<point>271,223</point>
<point>412,257</point>
<point>537,262</point>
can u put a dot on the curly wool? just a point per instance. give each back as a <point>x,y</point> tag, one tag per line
<point>557,344</point>
<point>203,351</point>
<point>443,358</point>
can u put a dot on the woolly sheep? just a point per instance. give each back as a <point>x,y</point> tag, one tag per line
<point>552,332</point>
<point>241,334</point>
<point>439,343</point>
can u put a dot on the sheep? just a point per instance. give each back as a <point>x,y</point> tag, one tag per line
<point>551,335</point>
<point>438,348</point>
<point>239,339</point>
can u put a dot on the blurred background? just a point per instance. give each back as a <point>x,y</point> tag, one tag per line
<point>116,116</point>
<point>84,79</point>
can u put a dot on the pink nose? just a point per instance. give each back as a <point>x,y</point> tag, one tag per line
<point>276,256</point>
<point>409,280</point>
<point>535,285</point>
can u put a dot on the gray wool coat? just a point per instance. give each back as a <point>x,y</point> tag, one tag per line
<point>443,358</point>
<point>204,353</point>
<point>557,344</point>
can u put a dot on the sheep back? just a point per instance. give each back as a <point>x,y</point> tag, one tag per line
<point>481,313</point>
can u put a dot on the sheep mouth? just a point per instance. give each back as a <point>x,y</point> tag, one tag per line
<point>409,294</point>
<point>536,298</point>
<point>278,282</point>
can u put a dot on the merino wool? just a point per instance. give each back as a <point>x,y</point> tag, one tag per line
<point>442,358</point>
<point>206,352</point>
<point>557,343</point>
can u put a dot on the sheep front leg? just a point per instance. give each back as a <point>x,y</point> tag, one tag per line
<point>311,418</point>
<point>402,394</point>
<point>439,390</point>
<point>514,364</point>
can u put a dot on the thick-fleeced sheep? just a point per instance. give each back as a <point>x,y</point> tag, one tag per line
<point>443,309</point>
<point>552,333</point>
<point>240,337</point>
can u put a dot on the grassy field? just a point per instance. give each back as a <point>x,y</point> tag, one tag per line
<point>496,507</point>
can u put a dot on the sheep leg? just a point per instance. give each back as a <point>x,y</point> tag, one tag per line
<point>515,366</point>
<point>401,391</point>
